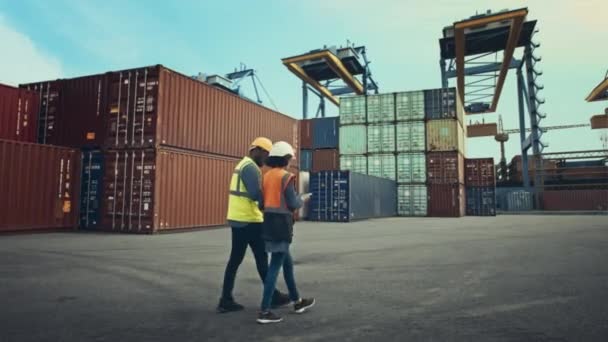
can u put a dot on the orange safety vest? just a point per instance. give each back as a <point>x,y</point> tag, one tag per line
<point>274,185</point>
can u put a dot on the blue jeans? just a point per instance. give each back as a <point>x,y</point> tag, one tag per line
<point>277,261</point>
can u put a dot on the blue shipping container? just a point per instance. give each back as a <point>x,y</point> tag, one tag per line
<point>344,196</point>
<point>305,160</point>
<point>91,189</point>
<point>325,133</point>
<point>481,201</point>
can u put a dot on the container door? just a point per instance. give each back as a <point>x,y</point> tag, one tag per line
<point>91,189</point>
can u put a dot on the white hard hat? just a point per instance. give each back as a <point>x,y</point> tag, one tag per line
<point>281,149</point>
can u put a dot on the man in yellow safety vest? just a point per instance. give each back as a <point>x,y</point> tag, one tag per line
<point>245,217</point>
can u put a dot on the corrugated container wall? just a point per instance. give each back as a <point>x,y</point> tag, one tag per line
<point>575,199</point>
<point>411,168</point>
<point>18,114</point>
<point>412,200</point>
<point>352,110</point>
<point>446,200</point>
<point>91,189</point>
<point>445,168</point>
<point>409,106</point>
<point>411,136</point>
<point>328,159</point>
<point>325,133</point>
<point>382,165</point>
<point>305,160</point>
<point>354,163</point>
<point>39,186</point>
<point>73,112</point>
<point>306,134</point>
<point>353,139</point>
<point>178,111</point>
<point>444,135</point>
<point>153,190</point>
<point>443,104</point>
<point>519,201</point>
<point>479,172</point>
<point>381,108</point>
<point>481,201</point>
<point>342,196</point>
<point>380,138</point>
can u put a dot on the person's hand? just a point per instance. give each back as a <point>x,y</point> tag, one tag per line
<point>306,197</point>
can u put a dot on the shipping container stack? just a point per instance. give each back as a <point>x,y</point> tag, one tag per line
<point>158,147</point>
<point>319,144</point>
<point>445,136</point>
<point>480,181</point>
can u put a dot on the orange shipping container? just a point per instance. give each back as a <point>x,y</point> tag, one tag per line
<point>39,186</point>
<point>154,106</point>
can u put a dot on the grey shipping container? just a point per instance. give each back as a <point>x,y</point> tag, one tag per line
<point>91,189</point>
<point>481,201</point>
<point>325,133</point>
<point>381,108</point>
<point>411,167</point>
<point>352,110</point>
<point>412,200</point>
<point>343,196</point>
<point>443,103</point>
<point>381,138</point>
<point>519,201</point>
<point>409,106</point>
<point>411,136</point>
<point>382,165</point>
<point>305,160</point>
<point>354,163</point>
<point>353,139</point>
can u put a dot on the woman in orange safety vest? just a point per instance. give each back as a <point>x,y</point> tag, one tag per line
<point>280,201</point>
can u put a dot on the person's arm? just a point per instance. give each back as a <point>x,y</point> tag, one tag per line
<point>252,179</point>
<point>292,198</point>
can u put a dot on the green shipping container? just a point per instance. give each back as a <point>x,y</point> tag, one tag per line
<point>412,200</point>
<point>445,135</point>
<point>411,167</point>
<point>382,165</point>
<point>354,163</point>
<point>409,106</point>
<point>352,110</point>
<point>411,136</point>
<point>353,139</point>
<point>381,138</point>
<point>381,108</point>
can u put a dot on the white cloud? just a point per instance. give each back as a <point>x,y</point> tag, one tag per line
<point>21,61</point>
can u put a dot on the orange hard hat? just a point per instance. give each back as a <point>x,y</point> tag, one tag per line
<point>263,143</point>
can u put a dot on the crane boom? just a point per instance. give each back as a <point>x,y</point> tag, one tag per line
<point>547,128</point>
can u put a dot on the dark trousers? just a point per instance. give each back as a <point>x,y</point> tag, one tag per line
<point>250,235</point>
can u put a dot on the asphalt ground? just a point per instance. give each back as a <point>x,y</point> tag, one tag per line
<point>505,278</point>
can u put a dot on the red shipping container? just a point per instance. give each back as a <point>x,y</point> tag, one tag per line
<point>18,114</point>
<point>152,190</point>
<point>73,111</point>
<point>154,106</point>
<point>479,172</point>
<point>39,186</point>
<point>575,199</point>
<point>306,134</point>
<point>325,160</point>
<point>445,167</point>
<point>446,200</point>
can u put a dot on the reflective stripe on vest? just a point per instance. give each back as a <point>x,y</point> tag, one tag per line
<point>241,207</point>
<point>275,183</point>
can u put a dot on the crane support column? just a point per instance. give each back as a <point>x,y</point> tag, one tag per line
<point>522,129</point>
<point>304,100</point>
<point>534,124</point>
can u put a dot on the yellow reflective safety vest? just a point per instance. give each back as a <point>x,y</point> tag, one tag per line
<point>241,208</point>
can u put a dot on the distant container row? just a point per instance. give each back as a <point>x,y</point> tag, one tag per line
<point>18,114</point>
<point>152,107</point>
<point>432,104</point>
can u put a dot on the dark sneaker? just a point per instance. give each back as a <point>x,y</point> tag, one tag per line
<point>228,306</point>
<point>279,300</point>
<point>268,317</point>
<point>303,305</point>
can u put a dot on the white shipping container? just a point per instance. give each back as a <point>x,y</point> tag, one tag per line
<point>411,167</point>
<point>381,108</point>
<point>412,200</point>
<point>411,136</point>
<point>382,165</point>
<point>352,110</point>
<point>409,106</point>
<point>381,138</point>
<point>354,163</point>
<point>353,139</point>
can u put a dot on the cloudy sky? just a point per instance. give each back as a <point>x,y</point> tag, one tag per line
<point>65,38</point>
